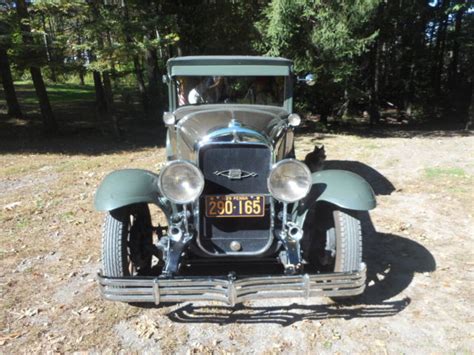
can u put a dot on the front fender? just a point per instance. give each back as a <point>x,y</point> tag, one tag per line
<point>338,187</point>
<point>124,187</point>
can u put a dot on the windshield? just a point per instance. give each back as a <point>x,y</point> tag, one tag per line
<point>260,90</point>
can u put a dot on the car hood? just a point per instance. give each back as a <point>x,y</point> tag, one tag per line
<point>204,123</point>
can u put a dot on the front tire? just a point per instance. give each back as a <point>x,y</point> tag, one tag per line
<point>348,234</point>
<point>333,241</point>
<point>127,241</point>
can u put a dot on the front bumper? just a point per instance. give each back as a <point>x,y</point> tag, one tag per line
<point>232,290</point>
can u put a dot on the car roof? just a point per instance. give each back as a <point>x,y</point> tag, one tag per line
<point>228,59</point>
<point>229,65</point>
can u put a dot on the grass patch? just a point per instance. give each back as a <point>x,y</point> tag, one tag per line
<point>22,222</point>
<point>67,216</point>
<point>22,167</point>
<point>58,93</point>
<point>433,173</point>
<point>458,190</point>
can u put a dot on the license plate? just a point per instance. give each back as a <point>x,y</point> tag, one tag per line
<point>235,206</point>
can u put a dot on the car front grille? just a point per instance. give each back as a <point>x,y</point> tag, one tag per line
<point>249,158</point>
<point>222,164</point>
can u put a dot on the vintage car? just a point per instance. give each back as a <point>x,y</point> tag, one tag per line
<point>245,219</point>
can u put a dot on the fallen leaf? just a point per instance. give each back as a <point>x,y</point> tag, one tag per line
<point>15,335</point>
<point>11,206</point>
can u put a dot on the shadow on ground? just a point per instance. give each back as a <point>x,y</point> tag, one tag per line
<point>82,138</point>
<point>81,133</point>
<point>434,129</point>
<point>283,316</point>
<point>392,261</point>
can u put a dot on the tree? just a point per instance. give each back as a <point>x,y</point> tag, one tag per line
<point>49,121</point>
<point>14,109</point>
<point>367,55</point>
<point>128,29</point>
<point>325,38</point>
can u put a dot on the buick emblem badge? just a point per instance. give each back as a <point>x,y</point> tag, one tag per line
<point>235,174</point>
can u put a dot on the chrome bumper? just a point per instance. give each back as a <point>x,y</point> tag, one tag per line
<point>232,290</point>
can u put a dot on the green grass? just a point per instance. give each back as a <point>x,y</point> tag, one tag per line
<point>58,93</point>
<point>22,222</point>
<point>24,168</point>
<point>67,216</point>
<point>459,190</point>
<point>433,173</point>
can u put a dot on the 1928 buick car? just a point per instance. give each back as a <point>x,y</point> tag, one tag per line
<point>245,219</point>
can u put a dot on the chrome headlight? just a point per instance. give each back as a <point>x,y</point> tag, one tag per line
<point>181,182</point>
<point>169,118</point>
<point>294,120</point>
<point>289,181</point>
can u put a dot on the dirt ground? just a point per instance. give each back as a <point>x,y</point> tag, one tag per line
<point>418,247</point>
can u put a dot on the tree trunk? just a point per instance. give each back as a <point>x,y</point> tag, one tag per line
<point>470,117</point>
<point>419,48</point>
<point>113,71</point>
<point>81,77</point>
<point>112,117</point>
<point>136,63</point>
<point>374,103</point>
<point>344,109</point>
<point>374,100</point>
<point>406,61</point>
<point>102,83</point>
<point>109,96</point>
<point>440,61</point>
<point>439,48</point>
<point>152,75</point>
<point>453,67</point>
<point>49,121</point>
<point>14,109</point>
<point>141,83</point>
<point>81,55</point>
<point>151,65</point>
<point>101,103</point>
<point>47,45</point>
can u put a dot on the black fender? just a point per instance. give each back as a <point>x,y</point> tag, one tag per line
<point>338,187</point>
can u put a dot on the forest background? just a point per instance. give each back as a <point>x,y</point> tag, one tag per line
<point>411,60</point>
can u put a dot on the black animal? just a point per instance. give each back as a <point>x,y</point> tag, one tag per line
<point>315,159</point>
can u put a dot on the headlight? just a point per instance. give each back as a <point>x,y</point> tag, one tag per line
<point>289,181</point>
<point>294,120</point>
<point>169,118</point>
<point>181,182</point>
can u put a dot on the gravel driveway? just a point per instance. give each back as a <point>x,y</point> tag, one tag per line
<point>418,246</point>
